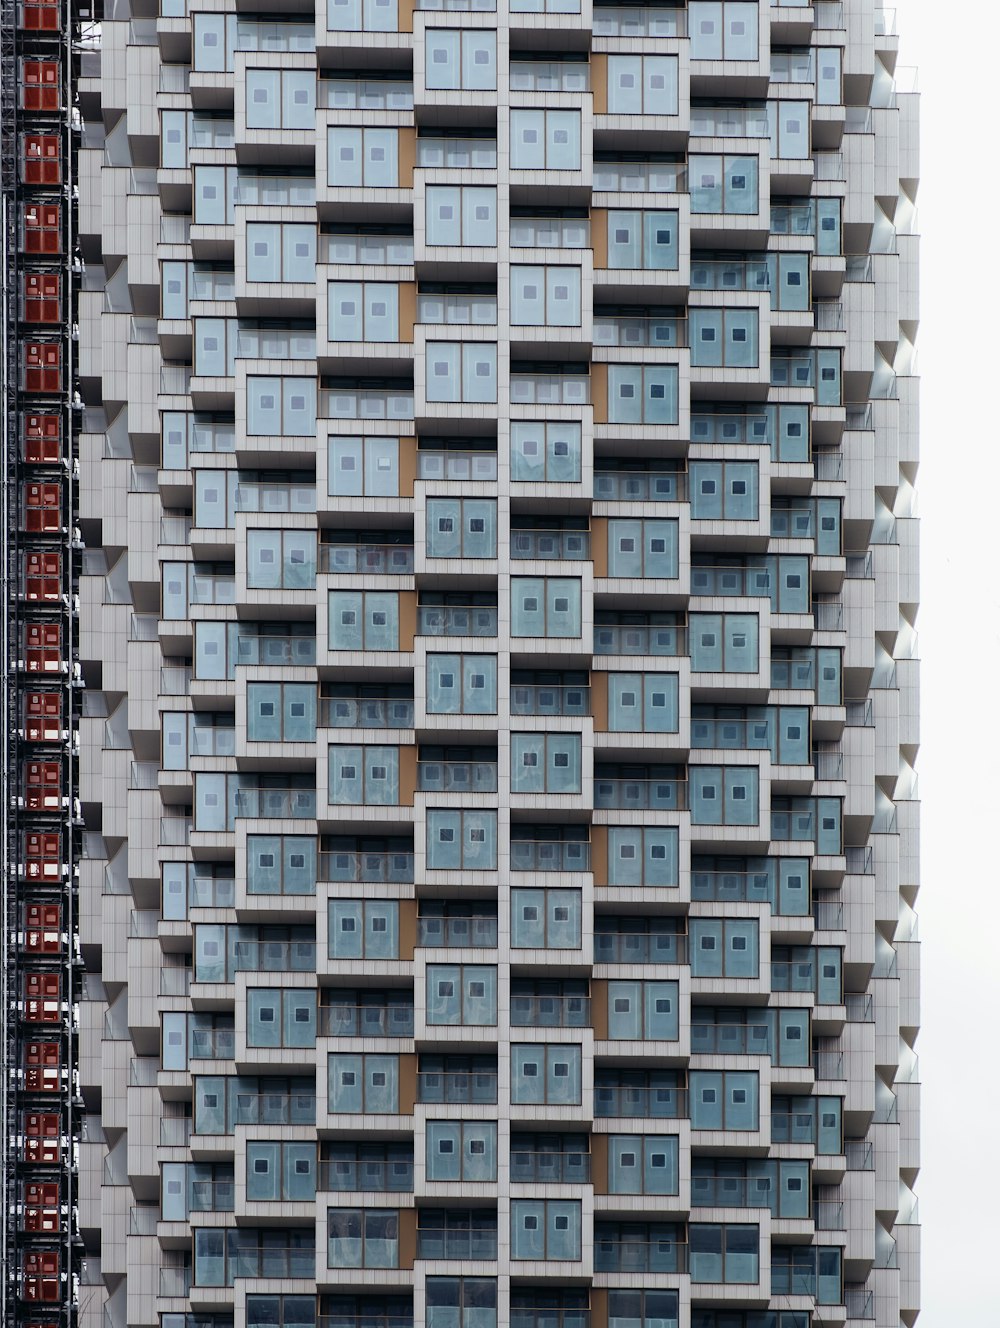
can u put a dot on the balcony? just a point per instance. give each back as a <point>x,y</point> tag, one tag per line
<point>372,866</point>
<point>651,637</point>
<point>347,1019</point>
<point>377,249</point>
<point>549,389</point>
<point>636,1101</point>
<point>377,1175</point>
<point>552,232</point>
<point>555,1011</point>
<point>639,21</point>
<point>640,947</point>
<point>463,1243</point>
<point>541,1167</point>
<point>473,931</point>
<point>640,1254</point>
<point>462,1087</point>
<point>459,464</point>
<point>553,699</point>
<point>449,776</point>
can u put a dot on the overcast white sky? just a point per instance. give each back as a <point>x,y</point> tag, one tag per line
<point>955,46</point>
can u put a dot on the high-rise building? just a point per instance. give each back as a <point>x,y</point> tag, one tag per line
<point>460,679</point>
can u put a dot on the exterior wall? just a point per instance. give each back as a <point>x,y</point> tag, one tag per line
<point>840,356</point>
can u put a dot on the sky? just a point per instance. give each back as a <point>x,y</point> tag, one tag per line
<point>954,47</point>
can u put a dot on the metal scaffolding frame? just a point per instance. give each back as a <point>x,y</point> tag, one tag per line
<point>41,973</point>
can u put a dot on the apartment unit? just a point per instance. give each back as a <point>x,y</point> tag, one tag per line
<point>497,822</point>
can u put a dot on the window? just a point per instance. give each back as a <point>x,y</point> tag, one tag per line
<point>456,1233</point>
<point>461,1302</point>
<point>196,1037</point>
<point>642,240</point>
<point>462,994</point>
<point>644,1309</point>
<point>723,31</point>
<point>361,15</point>
<point>363,620</point>
<point>217,37</point>
<point>723,947</point>
<point>642,85</point>
<point>461,215</point>
<point>723,642</point>
<point>362,1238</point>
<point>789,125</point>
<point>283,1017</point>
<point>546,763</point>
<point>363,157</point>
<point>545,919</point>
<point>221,1255</point>
<point>271,1312</point>
<point>723,490</point>
<point>545,451</point>
<point>639,1010</point>
<point>545,296</point>
<point>643,702</point>
<point>724,338</point>
<point>214,195</point>
<point>643,1164</point>
<point>545,1229</point>
<point>281,865</point>
<point>363,929</point>
<point>362,1083</point>
<point>220,799</point>
<point>281,406</point>
<point>545,140</point>
<point>461,1150</point>
<point>724,1253</point>
<point>461,684</point>
<point>461,371</point>
<point>364,775</point>
<point>808,1270</point>
<point>809,1120</point>
<point>639,394</point>
<point>196,1187</point>
<point>281,98</point>
<point>642,548</point>
<point>366,467</point>
<point>723,184</point>
<point>724,795</point>
<point>281,559</point>
<point>818,819</point>
<point>545,606</point>
<point>456,59</point>
<point>643,855</point>
<point>363,311</point>
<point>546,1075</point>
<point>461,527</point>
<point>222,950</point>
<point>281,712</point>
<point>461,841</point>
<point>187,885</point>
<point>280,1171</point>
<point>222,1103</point>
<point>281,251</point>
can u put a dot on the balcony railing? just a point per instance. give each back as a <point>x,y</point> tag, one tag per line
<point>366,866</point>
<point>447,1243</point>
<point>175,1131</point>
<point>540,1168</point>
<point>276,803</point>
<point>549,699</point>
<point>372,1174</point>
<point>275,650</point>
<point>474,933</point>
<point>456,1086</point>
<point>456,465</point>
<point>456,620</point>
<point>828,1215</point>
<point>639,22</point>
<point>639,1256</point>
<point>175,1282</point>
<point>549,855</point>
<point>457,776</point>
<point>860,1007</point>
<point>639,486</point>
<point>628,1102</point>
<point>367,559</point>
<point>570,545</point>
<point>372,250</point>
<point>366,712</point>
<point>347,1020</point>
<point>550,232</point>
<point>635,639</point>
<point>731,1039</point>
<point>640,330</point>
<point>549,76</point>
<point>365,404</point>
<point>626,947</point>
<point>731,886</point>
<point>549,1011</point>
<point>860,1155</point>
<point>640,794</point>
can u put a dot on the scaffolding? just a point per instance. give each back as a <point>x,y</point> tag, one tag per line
<point>41,685</point>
